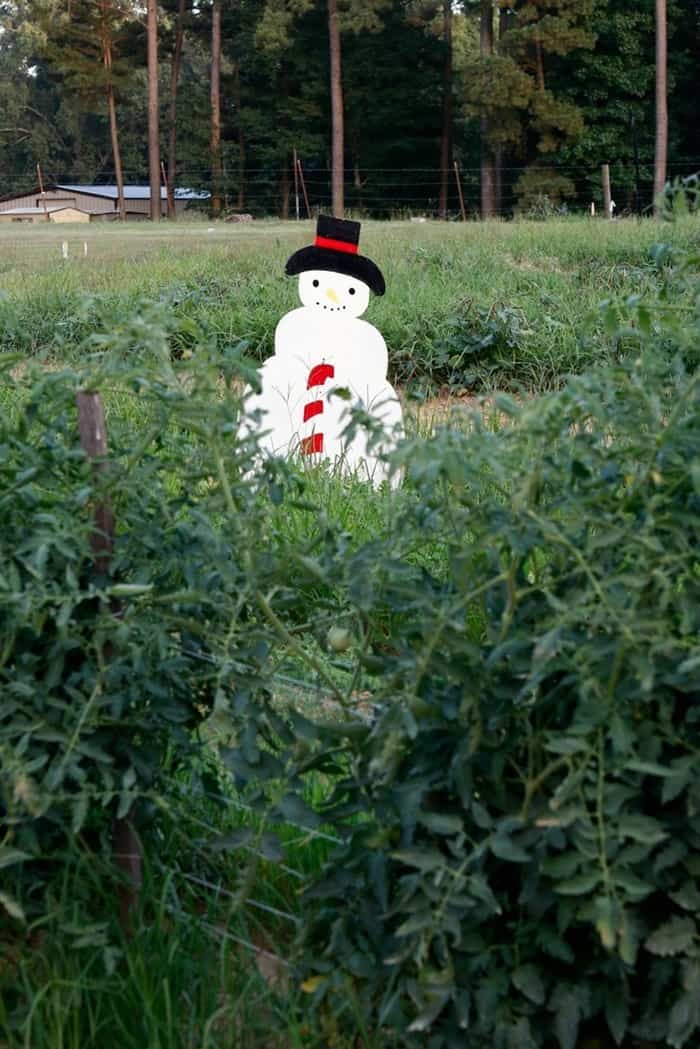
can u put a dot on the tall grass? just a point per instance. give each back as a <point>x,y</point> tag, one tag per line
<point>469,306</point>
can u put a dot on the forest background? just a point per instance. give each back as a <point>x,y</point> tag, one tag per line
<point>530,97</point>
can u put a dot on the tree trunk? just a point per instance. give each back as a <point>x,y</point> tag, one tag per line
<point>338,159</point>
<point>215,137</point>
<point>153,115</point>
<point>172,110</point>
<point>488,173</point>
<point>241,138</point>
<point>113,129</point>
<point>116,152</point>
<point>661,148</point>
<point>446,137</point>
<point>503,27</point>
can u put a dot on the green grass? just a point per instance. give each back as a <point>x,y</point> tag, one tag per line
<point>470,306</point>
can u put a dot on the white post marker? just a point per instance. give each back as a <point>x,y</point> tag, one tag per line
<point>64,249</point>
<point>85,249</point>
<point>324,347</point>
<point>592,209</point>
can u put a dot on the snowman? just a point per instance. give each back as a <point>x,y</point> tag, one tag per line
<point>328,360</point>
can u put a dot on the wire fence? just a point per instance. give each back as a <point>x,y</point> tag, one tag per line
<point>395,191</point>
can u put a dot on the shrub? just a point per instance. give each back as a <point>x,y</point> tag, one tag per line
<point>524,869</point>
<point>100,693</point>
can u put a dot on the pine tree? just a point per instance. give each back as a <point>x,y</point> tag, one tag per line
<point>447,107</point>
<point>82,39</point>
<point>342,16</point>
<point>154,176</point>
<point>175,66</point>
<point>215,96</point>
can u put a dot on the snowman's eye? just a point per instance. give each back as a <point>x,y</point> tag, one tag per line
<point>352,291</point>
<point>315,284</point>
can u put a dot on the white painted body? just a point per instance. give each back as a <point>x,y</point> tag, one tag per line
<point>327,330</point>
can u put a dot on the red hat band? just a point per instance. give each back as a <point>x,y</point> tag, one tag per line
<point>336,245</point>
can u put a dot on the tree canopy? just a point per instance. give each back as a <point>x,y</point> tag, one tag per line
<point>565,86</point>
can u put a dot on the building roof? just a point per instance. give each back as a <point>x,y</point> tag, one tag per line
<point>41,211</point>
<point>130,192</point>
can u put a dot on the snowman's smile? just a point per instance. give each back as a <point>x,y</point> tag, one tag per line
<point>333,292</point>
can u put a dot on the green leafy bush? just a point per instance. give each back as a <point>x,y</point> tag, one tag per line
<point>100,693</point>
<point>525,869</point>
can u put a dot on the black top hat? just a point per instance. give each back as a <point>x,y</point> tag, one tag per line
<point>335,249</point>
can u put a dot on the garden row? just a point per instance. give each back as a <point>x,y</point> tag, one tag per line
<point>506,306</point>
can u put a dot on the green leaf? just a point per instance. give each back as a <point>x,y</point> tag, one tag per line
<point>129,589</point>
<point>684,1019</point>
<point>562,866</point>
<point>673,937</point>
<point>640,828</point>
<point>295,809</point>
<point>634,887</point>
<point>650,768</point>
<point>441,824</point>
<point>579,885</point>
<point>506,849</point>
<point>529,982</point>
<point>9,856</point>
<point>270,846</point>
<point>617,1013</point>
<point>236,839</point>
<point>79,813</point>
<point>567,1017</point>
<point>606,913</point>
<point>12,907</point>
<point>416,923</point>
<point>422,859</point>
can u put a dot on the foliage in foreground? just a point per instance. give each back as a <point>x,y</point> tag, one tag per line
<point>520,801</point>
<point>525,872</point>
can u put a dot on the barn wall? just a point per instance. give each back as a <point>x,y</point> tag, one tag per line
<point>95,205</point>
<point>6,219</point>
<point>70,215</point>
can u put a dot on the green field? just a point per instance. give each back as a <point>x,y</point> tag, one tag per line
<point>531,589</point>
<point>469,307</point>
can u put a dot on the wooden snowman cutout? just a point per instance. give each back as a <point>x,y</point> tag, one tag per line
<point>323,346</point>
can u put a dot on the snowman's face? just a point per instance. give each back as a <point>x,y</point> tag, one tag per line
<point>333,293</point>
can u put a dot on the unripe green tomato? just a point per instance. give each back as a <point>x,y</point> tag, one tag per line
<point>339,639</point>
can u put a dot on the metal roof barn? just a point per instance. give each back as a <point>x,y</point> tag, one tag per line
<point>100,201</point>
<point>51,211</point>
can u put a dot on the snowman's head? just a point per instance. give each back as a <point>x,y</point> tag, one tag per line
<point>333,293</point>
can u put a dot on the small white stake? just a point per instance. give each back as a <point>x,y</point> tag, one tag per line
<point>64,249</point>
<point>85,249</point>
<point>592,209</point>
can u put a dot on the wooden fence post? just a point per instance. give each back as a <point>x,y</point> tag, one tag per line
<point>607,195</point>
<point>461,195</point>
<point>93,440</point>
<point>303,186</point>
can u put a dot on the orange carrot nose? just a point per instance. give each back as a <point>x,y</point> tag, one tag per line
<point>332,295</point>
